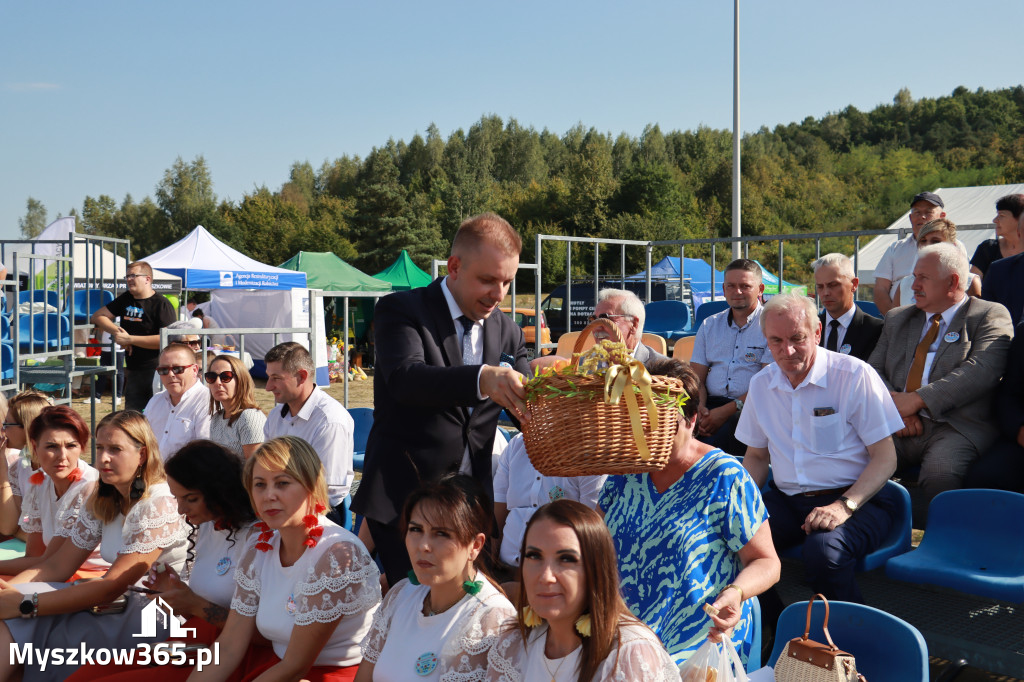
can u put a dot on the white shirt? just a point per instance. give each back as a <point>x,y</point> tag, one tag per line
<point>898,261</point>
<point>334,581</point>
<point>844,321</point>
<point>947,316</point>
<point>212,576</point>
<point>809,452</point>
<point>177,425</point>
<point>522,488</point>
<point>732,354</point>
<point>402,638</point>
<point>328,427</point>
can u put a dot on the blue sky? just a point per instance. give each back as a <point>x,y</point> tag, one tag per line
<point>101,97</point>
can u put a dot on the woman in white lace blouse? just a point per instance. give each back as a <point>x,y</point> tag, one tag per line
<point>131,515</point>
<point>21,410</point>
<point>236,420</point>
<point>439,623</point>
<point>572,624</point>
<point>306,584</point>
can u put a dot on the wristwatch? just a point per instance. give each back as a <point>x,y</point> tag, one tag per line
<point>739,405</point>
<point>850,505</point>
<point>29,606</point>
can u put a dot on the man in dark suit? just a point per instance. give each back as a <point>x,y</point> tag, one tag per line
<point>941,359</point>
<point>1004,281</point>
<point>445,367</point>
<point>845,328</point>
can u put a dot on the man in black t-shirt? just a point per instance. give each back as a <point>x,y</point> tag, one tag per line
<point>143,314</point>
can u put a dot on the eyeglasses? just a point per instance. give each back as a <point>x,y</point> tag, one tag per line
<point>134,275</point>
<point>225,377</point>
<point>177,369</point>
<point>197,343</point>
<point>8,425</point>
<point>607,316</point>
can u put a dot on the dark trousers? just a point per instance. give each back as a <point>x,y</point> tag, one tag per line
<point>725,437</point>
<point>138,388</point>
<point>391,550</point>
<point>103,379</point>
<point>1001,467</point>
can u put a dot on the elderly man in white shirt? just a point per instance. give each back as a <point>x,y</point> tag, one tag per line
<point>180,413</point>
<point>304,411</point>
<point>824,421</point>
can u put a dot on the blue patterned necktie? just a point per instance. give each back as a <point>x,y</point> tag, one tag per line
<point>467,340</point>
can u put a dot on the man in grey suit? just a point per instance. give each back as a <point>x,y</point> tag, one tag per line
<point>626,310</point>
<point>942,359</point>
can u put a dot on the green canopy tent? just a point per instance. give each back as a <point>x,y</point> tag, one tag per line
<point>327,272</point>
<point>403,274</point>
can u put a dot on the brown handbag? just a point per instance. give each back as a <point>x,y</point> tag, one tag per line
<point>804,660</point>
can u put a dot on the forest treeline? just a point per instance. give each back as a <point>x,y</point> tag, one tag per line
<point>849,170</point>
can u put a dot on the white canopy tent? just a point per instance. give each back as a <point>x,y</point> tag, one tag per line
<point>965,206</point>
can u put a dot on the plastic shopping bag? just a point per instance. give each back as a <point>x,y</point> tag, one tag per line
<point>714,662</point>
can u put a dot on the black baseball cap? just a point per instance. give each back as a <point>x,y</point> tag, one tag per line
<point>930,197</point>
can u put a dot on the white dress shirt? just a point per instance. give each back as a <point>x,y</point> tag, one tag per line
<point>176,425</point>
<point>844,321</point>
<point>326,425</point>
<point>476,344</point>
<point>809,452</point>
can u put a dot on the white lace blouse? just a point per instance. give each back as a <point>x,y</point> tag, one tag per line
<point>152,523</point>
<point>639,657</point>
<point>335,581</point>
<point>449,647</point>
<point>42,512</point>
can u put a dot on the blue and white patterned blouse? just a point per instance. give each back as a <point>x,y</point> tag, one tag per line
<point>678,549</point>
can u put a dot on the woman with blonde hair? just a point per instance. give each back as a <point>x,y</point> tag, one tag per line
<point>131,515</point>
<point>305,584</point>
<point>572,624</point>
<point>236,420</point>
<point>14,475</point>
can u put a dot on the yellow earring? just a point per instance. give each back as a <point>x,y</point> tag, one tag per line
<point>530,617</point>
<point>583,625</point>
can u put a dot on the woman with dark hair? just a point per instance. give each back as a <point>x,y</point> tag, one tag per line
<point>58,436</point>
<point>1007,242</point>
<point>21,410</point>
<point>692,534</point>
<point>236,421</point>
<point>572,624</point>
<point>206,480</point>
<point>305,584</point>
<point>130,514</point>
<point>439,623</point>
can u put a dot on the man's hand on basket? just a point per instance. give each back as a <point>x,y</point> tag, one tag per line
<point>504,386</point>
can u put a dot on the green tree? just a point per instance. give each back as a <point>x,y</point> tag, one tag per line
<point>382,225</point>
<point>185,195</point>
<point>34,220</point>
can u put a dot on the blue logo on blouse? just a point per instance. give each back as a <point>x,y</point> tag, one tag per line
<point>426,663</point>
<point>556,493</point>
<point>224,565</point>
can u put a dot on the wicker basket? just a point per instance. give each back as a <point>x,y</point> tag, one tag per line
<point>583,435</point>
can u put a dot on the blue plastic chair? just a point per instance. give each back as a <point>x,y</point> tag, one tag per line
<point>870,308</point>
<point>667,318</point>
<point>5,329</point>
<point>887,649</point>
<point>38,295</point>
<point>88,301</point>
<point>43,331</point>
<point>363,418</point>
<point>706,310</point>
<point>897,542</point>
<point>974,543</point>
<point>6,361</point>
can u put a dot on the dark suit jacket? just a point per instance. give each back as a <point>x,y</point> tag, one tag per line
<point>1010,400</point>
<point>965,371</point>
<point>862,335</point>
<point>1004,283</point>
<point>421,392</point>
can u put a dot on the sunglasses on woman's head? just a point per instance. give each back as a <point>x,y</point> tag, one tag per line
<point>177,369</point>
<point>225,377</point>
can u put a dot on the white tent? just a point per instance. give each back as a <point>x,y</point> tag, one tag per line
<point>204,263</point>
<point>965,206</point>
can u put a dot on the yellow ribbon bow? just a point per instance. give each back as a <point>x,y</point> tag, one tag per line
<point>617,380</point>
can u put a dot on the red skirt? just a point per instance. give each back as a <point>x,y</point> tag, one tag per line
<point>261,658</point>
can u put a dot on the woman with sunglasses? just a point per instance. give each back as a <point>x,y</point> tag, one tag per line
<point>55,492</point>
<point>21,410</point>
<point>236,421</point>
<point>132,517</point>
